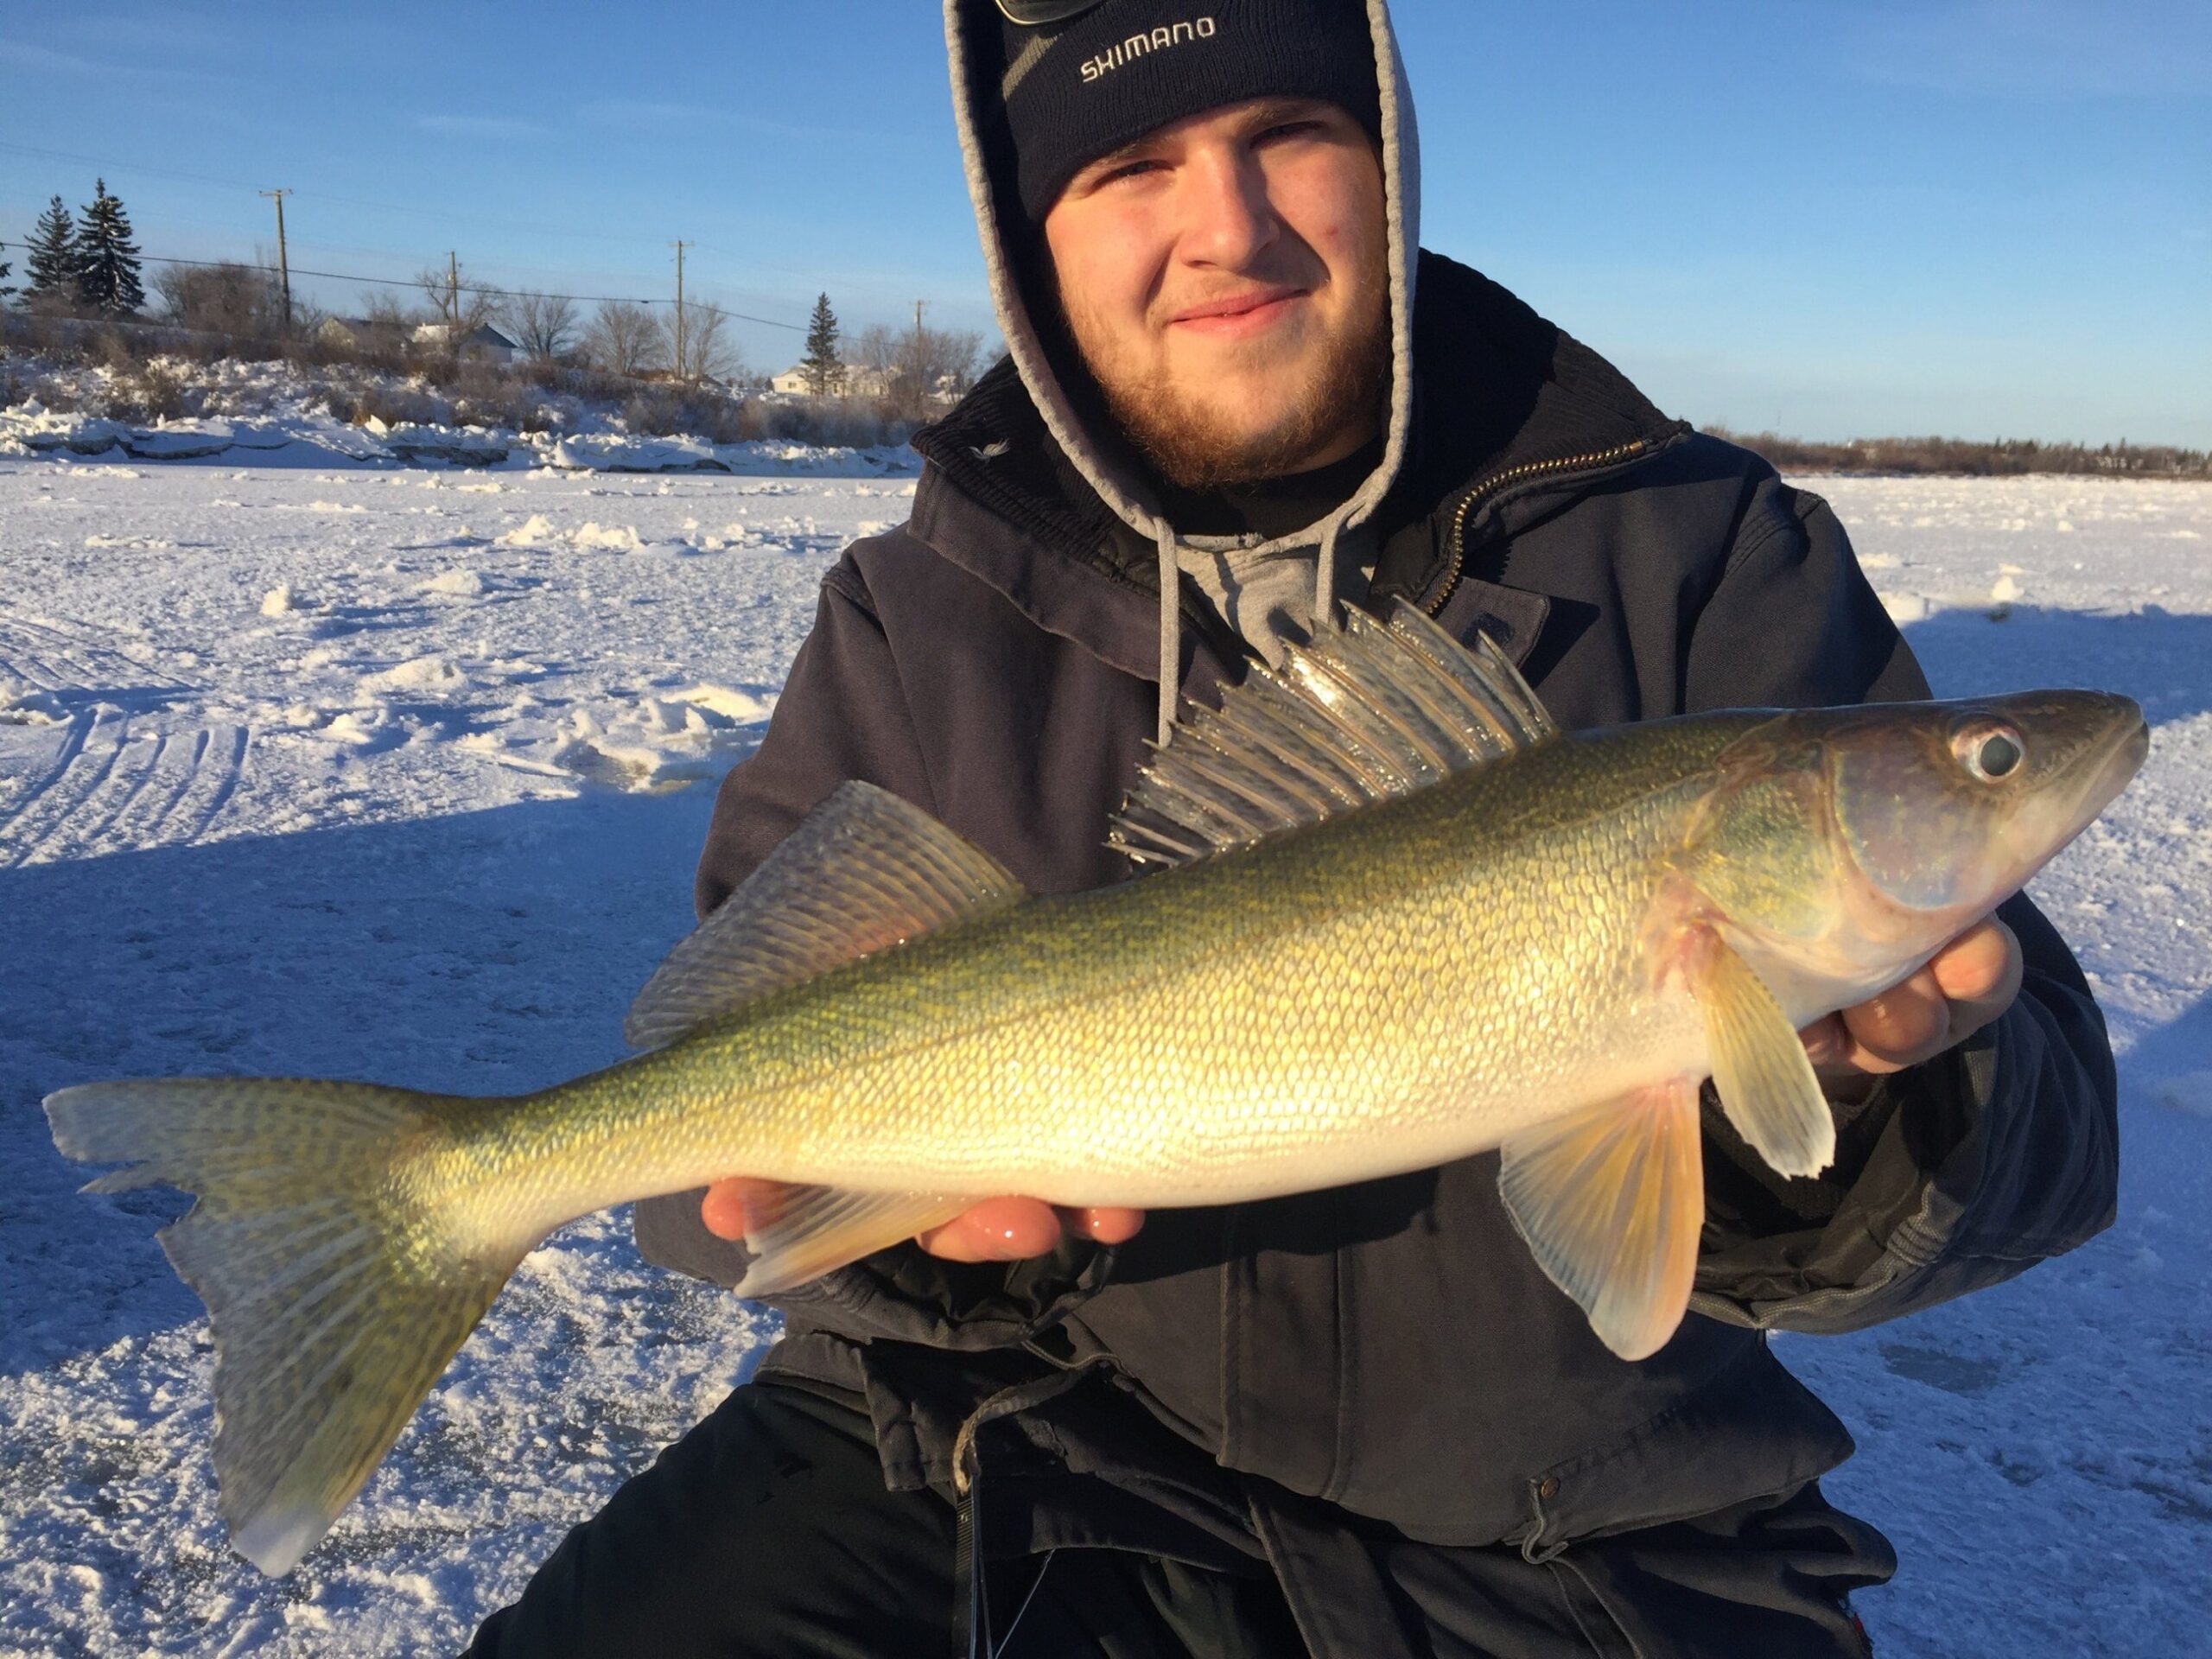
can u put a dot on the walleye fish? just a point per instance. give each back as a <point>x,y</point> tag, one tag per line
<point>1403,920</point>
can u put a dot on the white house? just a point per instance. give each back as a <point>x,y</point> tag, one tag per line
<point>859,382</point>
<point>487,343</point>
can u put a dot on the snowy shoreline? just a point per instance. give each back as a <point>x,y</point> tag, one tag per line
<point>320,764</point>
<point>301,438</point>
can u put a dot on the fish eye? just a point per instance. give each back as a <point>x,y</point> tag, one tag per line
<point>1989,751</point>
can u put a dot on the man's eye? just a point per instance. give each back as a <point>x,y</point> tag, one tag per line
<point>1126,170</point>
<point>1289,129</point>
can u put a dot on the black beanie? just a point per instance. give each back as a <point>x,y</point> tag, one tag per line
<point>1071,93</point>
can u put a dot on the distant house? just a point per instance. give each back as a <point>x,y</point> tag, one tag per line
<point>373,334</point>
<point>859,382</point>
<point>364,335</point>
<point>487,343</point>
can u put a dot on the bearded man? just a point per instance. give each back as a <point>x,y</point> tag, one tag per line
<point>1359,1423</point>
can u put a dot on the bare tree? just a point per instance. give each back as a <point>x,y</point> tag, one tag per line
<point>223,299</point>
<point>544,325</point>
<point>458,309</point>
<point>624,339</point>
<point>705,350</point>
<point>876,351</point>
<point>923,369</point>
<point>383,308</point>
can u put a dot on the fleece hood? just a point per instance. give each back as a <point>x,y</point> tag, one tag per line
<point>1099,457</point>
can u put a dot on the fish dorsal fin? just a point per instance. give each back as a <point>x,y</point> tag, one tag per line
<point>864,871</point>
<point>1367,711</point>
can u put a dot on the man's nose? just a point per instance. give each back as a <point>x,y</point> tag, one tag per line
<point>1228,220</point>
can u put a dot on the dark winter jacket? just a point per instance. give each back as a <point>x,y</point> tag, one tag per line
<point>1390,1350</point>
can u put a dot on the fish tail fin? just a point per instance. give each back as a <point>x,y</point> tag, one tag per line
<point>337,1282</point>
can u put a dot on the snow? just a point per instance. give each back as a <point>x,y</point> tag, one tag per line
<point>338,767</point>
<point>291,425</point>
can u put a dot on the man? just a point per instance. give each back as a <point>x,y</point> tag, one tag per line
<point>1357,1422</point>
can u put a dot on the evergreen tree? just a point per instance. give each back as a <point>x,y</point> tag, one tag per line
<point>107,262</point>
<point>822,369</point>
<point>52,265</point>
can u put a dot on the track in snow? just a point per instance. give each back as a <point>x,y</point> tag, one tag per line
<point>106,787</point>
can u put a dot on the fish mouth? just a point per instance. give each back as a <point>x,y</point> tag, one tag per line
<point>2129,746</point>
<point>2101,768</point>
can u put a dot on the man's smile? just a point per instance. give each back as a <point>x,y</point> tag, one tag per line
<point>1238,315</point>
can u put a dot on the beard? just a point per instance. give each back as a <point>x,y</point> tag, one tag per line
<point>1190,443</point>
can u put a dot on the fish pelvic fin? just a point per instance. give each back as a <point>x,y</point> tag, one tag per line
<point>802,1232</point>
<point>1611,1200</point>
<point>1760,1069</point>
<point>336,1289</point>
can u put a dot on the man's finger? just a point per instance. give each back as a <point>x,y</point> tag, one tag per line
<point>1900,1027</point>
<point>731,1205</point>
<point>1103,1225</point>
<point>997,1230</point>
<point>1979,970</point>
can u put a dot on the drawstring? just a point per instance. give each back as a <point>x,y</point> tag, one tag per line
<point>1171,626</point>
<point>1170,613</point>
<point>1324,579</point>
<point>971,1612</point>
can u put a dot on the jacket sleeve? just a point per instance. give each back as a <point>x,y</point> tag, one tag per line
<point>842,716</point>
<point>1953,1174</point>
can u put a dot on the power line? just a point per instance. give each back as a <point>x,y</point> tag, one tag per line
<point>497,293</point>
<point>122,168</point>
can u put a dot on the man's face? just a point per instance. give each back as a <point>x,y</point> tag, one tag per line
<point>1226,279</point>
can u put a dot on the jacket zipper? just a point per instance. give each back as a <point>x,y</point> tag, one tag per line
<point>1496,481</point>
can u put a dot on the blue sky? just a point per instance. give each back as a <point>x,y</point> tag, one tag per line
<point>1978,217</point>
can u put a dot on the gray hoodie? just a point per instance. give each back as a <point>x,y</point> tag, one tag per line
<point>1320,550</point>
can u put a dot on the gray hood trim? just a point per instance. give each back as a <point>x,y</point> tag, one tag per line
<point>1124,492</point>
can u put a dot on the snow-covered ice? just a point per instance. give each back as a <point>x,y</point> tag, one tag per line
<point>336,767</point>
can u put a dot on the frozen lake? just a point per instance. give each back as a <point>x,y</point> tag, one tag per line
<point>400,774</point>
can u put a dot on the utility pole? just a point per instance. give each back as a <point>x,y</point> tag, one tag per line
<point>283,260</point>
<point>918,304</point>
<point>680,342</point>
<point>453,298</point>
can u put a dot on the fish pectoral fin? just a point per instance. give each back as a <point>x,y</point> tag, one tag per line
<point>864,871</point>
<point>813,1229</point>
<point>1764,1077</point>
<point>1611,1201</point>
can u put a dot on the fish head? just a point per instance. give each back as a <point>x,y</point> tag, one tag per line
<point>1844,846</point>
<point>1945,809</point>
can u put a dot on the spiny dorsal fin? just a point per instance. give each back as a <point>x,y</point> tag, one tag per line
<point>864,871</point>
<point>1368,711</point>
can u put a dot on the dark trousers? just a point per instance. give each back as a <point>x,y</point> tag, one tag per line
<point>767,1532</point>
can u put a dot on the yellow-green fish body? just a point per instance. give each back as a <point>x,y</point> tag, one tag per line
<point>1404,921</point>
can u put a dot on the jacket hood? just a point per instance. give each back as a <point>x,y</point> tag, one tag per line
<point>1099,460</point>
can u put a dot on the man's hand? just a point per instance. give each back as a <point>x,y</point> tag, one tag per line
<point>1965,986</point>
<point>997,1230</point>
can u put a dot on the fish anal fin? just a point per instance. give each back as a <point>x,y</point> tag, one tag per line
<point>864,871</point>
<point>799,1233</point>
<point>1611,1200</point>
<point>1369,710</point>
<point>1764,1077</point>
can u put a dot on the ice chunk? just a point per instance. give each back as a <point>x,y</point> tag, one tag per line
<point>457,584</point>
<point>417,674</point>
